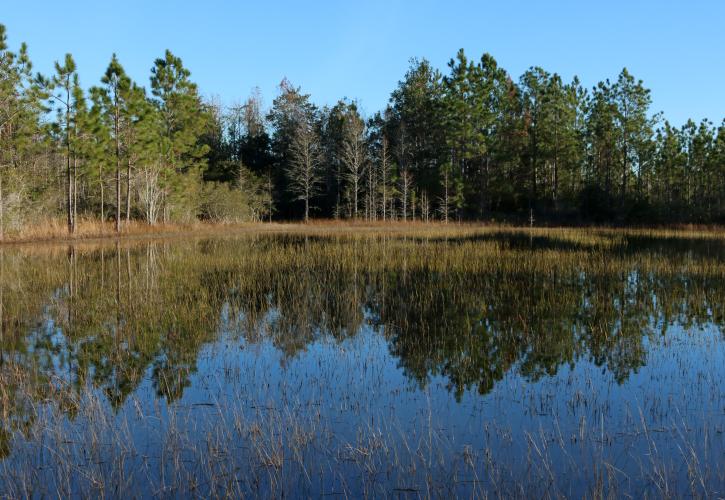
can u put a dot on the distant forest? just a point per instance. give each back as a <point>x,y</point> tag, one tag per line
<point>470,143</point>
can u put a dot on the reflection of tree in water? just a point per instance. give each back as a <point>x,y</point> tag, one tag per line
<point>109,323</point>
<point>108,315</point>
<point>472,329</point>
<point>17,403</point>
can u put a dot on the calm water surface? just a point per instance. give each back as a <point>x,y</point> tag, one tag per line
<point>494,364</point>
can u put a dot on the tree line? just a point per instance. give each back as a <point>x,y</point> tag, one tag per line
<point>468,144</point>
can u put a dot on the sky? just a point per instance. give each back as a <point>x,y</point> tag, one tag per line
<point>360,50</point>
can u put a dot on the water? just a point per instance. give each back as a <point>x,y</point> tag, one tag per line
<point>488,364</point>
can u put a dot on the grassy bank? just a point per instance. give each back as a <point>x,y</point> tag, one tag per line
<point>55,230</point>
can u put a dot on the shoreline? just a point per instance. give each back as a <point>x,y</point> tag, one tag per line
<point>92,231</point>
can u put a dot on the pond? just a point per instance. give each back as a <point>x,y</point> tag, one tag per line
<point>431,363</point>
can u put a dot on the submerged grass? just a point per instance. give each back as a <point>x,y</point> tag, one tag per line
<point>396,360</point>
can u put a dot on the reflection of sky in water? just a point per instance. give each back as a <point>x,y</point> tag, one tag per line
<point>357,383</point>
<point>675,400</point>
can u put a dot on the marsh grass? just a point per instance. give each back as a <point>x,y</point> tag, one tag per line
<point>408,360</point>
<point>55,230</point>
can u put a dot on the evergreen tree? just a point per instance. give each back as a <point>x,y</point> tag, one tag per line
<point>60,94</point>
<point>473,93</point>
<point>183,119</point>
<point>99,148</point>
<point>20,108</point>
<point>333,127</point>
<point>552,154</point>
<point>634,127</point>
<point>601,142</point>
<point>415,123</point>
<point>116,92</point>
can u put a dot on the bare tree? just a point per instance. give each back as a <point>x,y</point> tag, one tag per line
<point>304,167</point>
<point>253,189</point>
<point>424,206</point>
<point>414,201</point>
<point>354,158</point>
<point>371,200</point>
<point>406,182</point>
<point>150,191</point>
<point>384,175</point>
<point>445,200</point>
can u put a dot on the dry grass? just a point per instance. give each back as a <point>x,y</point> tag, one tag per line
<point>88,229</point>
<point>57,230</point>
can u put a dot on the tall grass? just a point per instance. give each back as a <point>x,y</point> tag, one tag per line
<point>55,229</point>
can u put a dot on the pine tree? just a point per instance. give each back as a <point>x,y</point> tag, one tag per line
<point>601,144</point>
<point>631,101</point>
<point>472,97</point>
<point>20,108</point>
<point>183,119</point>
<point>415,123</point>
<point>99,150</point>
<point>60,93</point>
<point>552,151</point>
<point>116,91</point>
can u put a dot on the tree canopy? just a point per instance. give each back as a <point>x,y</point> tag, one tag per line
<point>471,143</point>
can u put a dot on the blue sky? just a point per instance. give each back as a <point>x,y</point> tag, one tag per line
<point>361,49</point>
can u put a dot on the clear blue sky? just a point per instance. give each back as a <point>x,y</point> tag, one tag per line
<point>360,50</point>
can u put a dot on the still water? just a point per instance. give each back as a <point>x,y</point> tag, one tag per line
<point>560,363</point>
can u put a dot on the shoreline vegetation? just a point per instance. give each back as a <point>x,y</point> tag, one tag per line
<point>465,144</point>
<point>55,231</point>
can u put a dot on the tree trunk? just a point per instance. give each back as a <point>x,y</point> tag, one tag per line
<point>385,176</point>
<point>625,167</point>
<point>118,177</point>
<point>100,180</point>
<point>2,211</point>
<point>118,200</point>
<point>556,164</point>
<point>75,190</point>
<point>405,195</point>
<point>269,192</point>
<point>69,180</point>
<point>356,193</point>
<point>2,304</point>
<point>484,205</point>
<point>446,200</point>
<point>128,192</point>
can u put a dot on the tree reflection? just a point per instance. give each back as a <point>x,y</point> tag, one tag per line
<point>112,316</point>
